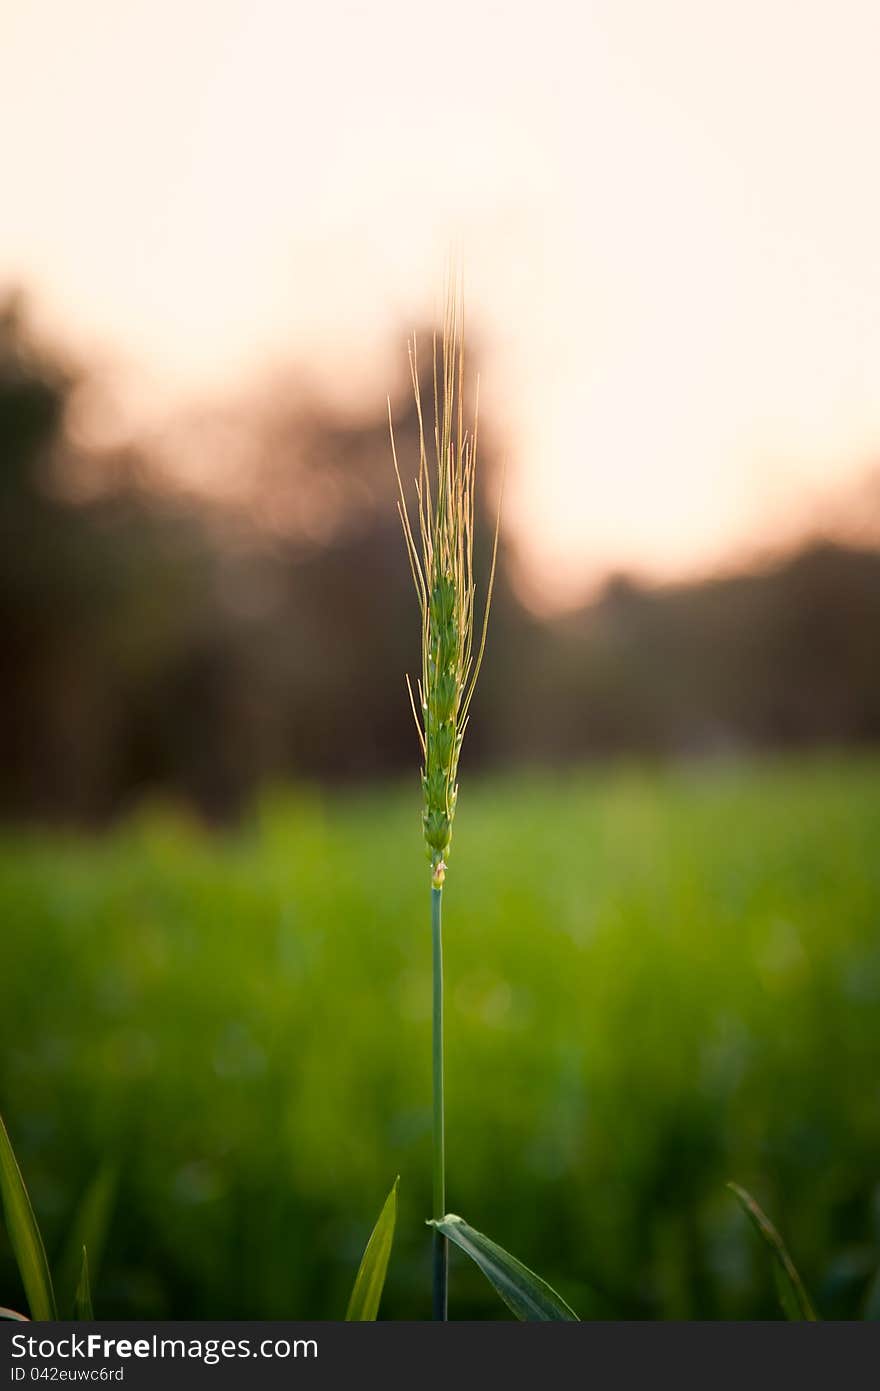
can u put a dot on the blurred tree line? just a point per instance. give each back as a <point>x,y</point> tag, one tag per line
<point>154,641</point>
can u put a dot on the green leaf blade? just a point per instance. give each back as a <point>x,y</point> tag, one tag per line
<point>83,1301</point>
<point>524,1292</point>
<point>24,1234</point>
<point>796,1303</point>
<point>89,1230</point>
<point>363,1305</point>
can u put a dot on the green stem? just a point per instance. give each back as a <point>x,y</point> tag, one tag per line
<point>441,1246</point>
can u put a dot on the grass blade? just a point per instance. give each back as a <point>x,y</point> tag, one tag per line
<point>370,1281</point>
<point>530,1297</point>
<point>12,1314</point>
<point>24,1234</point>
<point>88,1229</point>
<point>796,1303</point>
<point>83,1302</point>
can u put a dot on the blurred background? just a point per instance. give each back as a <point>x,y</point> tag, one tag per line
<point>220,226</point>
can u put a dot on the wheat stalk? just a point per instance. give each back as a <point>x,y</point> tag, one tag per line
<point>442,565</point>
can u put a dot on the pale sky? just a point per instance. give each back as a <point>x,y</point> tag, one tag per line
<point>669,215</point>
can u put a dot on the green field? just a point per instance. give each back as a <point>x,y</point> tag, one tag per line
<point>656,982</point>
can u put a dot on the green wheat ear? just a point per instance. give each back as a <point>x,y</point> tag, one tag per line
<point>443,574</point>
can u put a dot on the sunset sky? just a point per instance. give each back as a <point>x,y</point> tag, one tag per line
<point>669,216</point>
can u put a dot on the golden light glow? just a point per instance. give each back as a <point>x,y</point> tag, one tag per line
<point>669,213</point>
